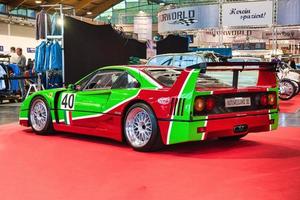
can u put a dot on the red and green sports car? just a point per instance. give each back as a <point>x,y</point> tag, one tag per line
<point>154,106</point>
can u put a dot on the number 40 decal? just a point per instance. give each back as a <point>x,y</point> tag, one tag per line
<point>67,101</point>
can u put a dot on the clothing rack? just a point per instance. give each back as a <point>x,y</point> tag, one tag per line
<point>61,8</point>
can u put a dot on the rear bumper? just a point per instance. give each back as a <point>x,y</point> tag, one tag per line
<point>185,131</point>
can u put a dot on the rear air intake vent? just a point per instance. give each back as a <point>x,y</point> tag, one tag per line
<point>177,106</point>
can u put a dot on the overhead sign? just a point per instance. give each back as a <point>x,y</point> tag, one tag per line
<point>288,12</point>
<point>188,18</point>
<point>30,50</point>
<point>247,14</point>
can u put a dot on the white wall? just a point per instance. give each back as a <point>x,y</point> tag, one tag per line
<point>15,41</point>
<point>13,35</point>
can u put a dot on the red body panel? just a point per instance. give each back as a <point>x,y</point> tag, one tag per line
<point>224,126</point>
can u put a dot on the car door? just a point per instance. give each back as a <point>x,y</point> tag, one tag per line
<point>123,91</point>
<point>84,107</point>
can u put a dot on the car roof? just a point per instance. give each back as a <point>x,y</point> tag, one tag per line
<point>185,53</point>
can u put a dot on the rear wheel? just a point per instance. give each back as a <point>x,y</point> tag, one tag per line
<point>40,117</point>
<point>234,138</point>
<point>286,89</point>
<point>140,128</point>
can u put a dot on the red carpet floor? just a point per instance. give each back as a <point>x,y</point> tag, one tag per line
<point>70,167</point>
<point>290,106</point>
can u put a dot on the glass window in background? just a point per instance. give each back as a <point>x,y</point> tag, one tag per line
<point>2,8</point>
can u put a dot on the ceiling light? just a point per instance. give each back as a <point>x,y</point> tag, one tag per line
<point>89,13</point>
<point>38,2</point>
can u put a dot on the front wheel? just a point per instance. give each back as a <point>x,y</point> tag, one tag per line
<point>141,129</point>
<point>40,117</point>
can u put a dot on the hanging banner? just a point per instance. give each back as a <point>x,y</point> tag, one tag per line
<point>248,14</point>
<point>230,36</point>
<point>288,12</point>
<point>188,18</point>
<point>282,34</point>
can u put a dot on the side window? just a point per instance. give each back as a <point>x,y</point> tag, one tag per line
<point>161,60</point>
<point>125,81</point>
<point>103,80</point>
<point>177,61</point>
<point>189,60</point>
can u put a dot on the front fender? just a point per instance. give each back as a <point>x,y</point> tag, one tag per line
<point>48,95</point>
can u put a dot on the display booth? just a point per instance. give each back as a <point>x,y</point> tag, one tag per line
<point>252,25</point>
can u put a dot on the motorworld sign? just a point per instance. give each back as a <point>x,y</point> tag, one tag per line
<point>188,18</point>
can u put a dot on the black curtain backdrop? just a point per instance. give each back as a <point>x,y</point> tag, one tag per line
<point>88,47</point>
<point>173,44</point>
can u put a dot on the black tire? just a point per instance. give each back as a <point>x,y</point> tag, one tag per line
<point>289,85</point>
<point>154,141</point>
<point>47,128</point>
<point>233,138</point>
<point>297,87</point>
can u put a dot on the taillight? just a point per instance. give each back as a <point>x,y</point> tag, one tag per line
<point>210,104</point>
<point>272,99</point>
<point>263,100</point>
<point>199,104</point>
<point>206,104</point>
<point>268,99</point>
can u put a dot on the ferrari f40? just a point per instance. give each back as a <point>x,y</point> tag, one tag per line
<point>153,106</point>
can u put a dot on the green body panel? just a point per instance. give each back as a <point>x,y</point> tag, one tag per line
<point>274,116</point>
<point>186,131</point>
<point>274,112</point>
<point>48,95</point>
<point>91,102</point>
<point>180,131</point>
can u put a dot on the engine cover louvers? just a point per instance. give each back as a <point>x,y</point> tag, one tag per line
<point>177,106</point>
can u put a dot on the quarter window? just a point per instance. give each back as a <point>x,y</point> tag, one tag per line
<point>125,81</point>
<point>103,80</point>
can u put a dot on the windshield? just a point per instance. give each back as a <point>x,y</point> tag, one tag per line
<point>161,60</point>
<point>176,60</point>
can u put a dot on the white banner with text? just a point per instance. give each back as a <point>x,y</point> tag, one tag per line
<point>248,14</point>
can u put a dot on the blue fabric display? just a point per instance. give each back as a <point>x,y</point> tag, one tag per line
<point>16,72</point>
<point>56,28</point>
<point>40,57</point>
<point>55,56</point>
<point>2,82</point>
<point>48,57</point>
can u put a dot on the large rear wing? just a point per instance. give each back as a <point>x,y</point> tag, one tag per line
<point>267,70</point>
<point>266,76</point>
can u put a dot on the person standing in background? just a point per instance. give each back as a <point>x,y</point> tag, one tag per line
<point>21,60</point>
<point>14,56</point>
<point>292,62</point>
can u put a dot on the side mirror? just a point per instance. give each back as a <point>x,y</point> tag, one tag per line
<point>71,87</point>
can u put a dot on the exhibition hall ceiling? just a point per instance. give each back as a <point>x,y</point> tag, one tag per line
<point>86,8</point>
